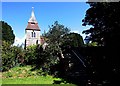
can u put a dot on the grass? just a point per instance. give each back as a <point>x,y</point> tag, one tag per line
<point>29,80</point>
<point>23,75</point>
<point>0,78</point>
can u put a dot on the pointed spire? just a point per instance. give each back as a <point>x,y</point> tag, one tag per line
<point>32,14</point>
<point>32,23</point>
<point>32,18</point>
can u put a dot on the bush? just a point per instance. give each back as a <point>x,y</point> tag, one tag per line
<point>11,56</point>
<point>30,55</point>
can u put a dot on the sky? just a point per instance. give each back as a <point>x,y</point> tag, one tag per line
<point>69,14</point>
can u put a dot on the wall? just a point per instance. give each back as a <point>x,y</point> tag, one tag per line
<point>32,40</point>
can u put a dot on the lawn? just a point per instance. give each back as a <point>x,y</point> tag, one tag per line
<point>0,78</point>
<point>29,80</point>
<point>23,75</point>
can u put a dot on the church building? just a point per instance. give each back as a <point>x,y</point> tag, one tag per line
<point>32,31</point>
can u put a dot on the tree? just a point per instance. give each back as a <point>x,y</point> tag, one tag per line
<point>56,31</point>
<point>73,40</point>
<point>0,32</point>
<point>7,38</point>
<point>105,21</point>
<point>104,18</point>
<point>54,35</point>
<point>53,51</point>
<point>7,33</point>
<point>11,56</point>
<point>31,55</point>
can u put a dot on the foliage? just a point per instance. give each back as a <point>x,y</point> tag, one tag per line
<point>7,56</point>
<point>11,56</point>
<point>7,33</point>
<point>0,32</point>
<point>103,61</point>
<point>104,18</point>
<point>91,44</point>
<point>56,31</point>
<point>19,72</point>
<point>24,75</point>
<point>54,36</point>
<point>73,40</point>
<point>46,58</point>
<point>30,55</point>
<point>8,52</point>
<point>58,36</point>
<point>49,56</point>
<point>41,59</point>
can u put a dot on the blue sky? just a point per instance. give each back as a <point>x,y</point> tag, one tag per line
<point>70,14</point>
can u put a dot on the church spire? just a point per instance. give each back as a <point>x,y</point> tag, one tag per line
<point>32,18</point>
<point>32,31</point>
<point>32,23</point>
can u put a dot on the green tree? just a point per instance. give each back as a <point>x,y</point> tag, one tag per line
<point>7,38</point>
<point>104,19</point>
<point>56,31</point>
<point>51,55</point>
<point>0,32</point>
<point>105,23</point>
<point>30,55</point>
<point>54,35</point>
<point>11,56</point>
<point>73,40</point>
<point>7,33</point>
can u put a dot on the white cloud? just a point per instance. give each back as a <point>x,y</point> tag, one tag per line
<point>19,41</point>
<point>75,31</point>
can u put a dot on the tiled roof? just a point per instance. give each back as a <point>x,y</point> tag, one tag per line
<point>32,26</point>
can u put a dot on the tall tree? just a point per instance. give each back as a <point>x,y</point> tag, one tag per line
<point>105,21</point>
<point>7,33</point>
<point>73,40</point>
<point>56,31</point>
<point>54,35</point>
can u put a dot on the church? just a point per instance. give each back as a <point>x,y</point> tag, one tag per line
<point>32,31</point>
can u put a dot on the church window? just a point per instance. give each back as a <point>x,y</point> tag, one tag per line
<point>34,34</point>
<point>37,42</point>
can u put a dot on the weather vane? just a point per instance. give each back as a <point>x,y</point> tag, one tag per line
<point>32,8</point>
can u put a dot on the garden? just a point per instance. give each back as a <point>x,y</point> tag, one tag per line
<point>67,59</point>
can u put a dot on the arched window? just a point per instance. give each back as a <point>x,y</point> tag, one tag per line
<point>34,34</point>
<point>37,42</point>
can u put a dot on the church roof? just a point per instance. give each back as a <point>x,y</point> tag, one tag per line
<point>32,23</point>
<point>32,26</point>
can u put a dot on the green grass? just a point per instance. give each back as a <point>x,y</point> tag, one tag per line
<point>29,80</point>
<point>23,75</point>
<point>0,78</point>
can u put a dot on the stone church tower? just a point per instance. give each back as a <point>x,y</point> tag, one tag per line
<point>32,31</point>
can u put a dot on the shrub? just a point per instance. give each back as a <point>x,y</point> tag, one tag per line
<point>11,56</point>
<point>30,55</point>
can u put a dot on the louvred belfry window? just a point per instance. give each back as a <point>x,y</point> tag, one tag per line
<point>33,34</point>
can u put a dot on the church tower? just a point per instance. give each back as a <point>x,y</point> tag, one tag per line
<point>32,31</point>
